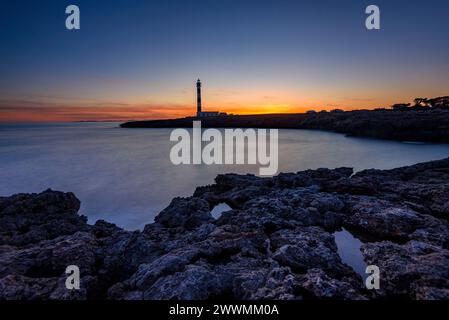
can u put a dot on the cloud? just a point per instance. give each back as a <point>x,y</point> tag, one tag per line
<point>358,99</point>
<point>32,110</point>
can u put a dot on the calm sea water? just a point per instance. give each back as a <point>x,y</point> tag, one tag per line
<point>125,175</point>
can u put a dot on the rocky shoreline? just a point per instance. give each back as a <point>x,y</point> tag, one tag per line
<point>276,243</point>
<point>427,126</point>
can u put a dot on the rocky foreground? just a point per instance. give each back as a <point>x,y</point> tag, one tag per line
<point>276,243</point>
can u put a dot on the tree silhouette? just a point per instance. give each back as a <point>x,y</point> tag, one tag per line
<point>422,102</point>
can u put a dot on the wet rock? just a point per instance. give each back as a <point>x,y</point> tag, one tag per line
<point>197,282</point>
<point>18,287</point>
<point>316,284</point>
<point>414,270</point>
<point>30,218</point>
<point>276,243</point>
<point>50,258</point>
<point>306,248</point>
<point>382,218</point>
<point>277,283</point>
<point>188,213</point>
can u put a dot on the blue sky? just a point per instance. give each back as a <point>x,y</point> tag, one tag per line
<point>134,59</point>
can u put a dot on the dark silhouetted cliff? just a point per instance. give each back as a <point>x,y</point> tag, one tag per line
<point>430,125</point>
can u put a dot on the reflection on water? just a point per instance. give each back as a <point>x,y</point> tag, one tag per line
<point>125,175</point>
<point>219,209</point>
<point>349,251</point>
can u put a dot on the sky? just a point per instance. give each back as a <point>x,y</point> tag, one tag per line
<point>140,59</point>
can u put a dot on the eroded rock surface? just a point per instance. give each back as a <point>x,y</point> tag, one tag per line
<point>276,243</point>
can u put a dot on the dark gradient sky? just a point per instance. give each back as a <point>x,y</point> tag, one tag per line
<point>140,59</point>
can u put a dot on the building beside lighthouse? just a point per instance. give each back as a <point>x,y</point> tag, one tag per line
<point>199,112</point>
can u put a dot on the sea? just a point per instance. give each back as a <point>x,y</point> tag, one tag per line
<point>125,176</point>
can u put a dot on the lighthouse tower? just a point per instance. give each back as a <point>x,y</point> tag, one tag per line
<point>199,112</point>
<point>198,94</point>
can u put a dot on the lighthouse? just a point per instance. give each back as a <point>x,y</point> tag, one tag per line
<point>199,112</point>
<point>198,95</point>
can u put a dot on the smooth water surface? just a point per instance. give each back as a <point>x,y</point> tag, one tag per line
<point>125,176</point>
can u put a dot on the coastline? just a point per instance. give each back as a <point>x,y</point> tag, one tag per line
<point>276,243</point>
<point>422,126</point>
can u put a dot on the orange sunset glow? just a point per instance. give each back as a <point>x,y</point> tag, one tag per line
<point>287,59</point>
<point>54,110</point>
